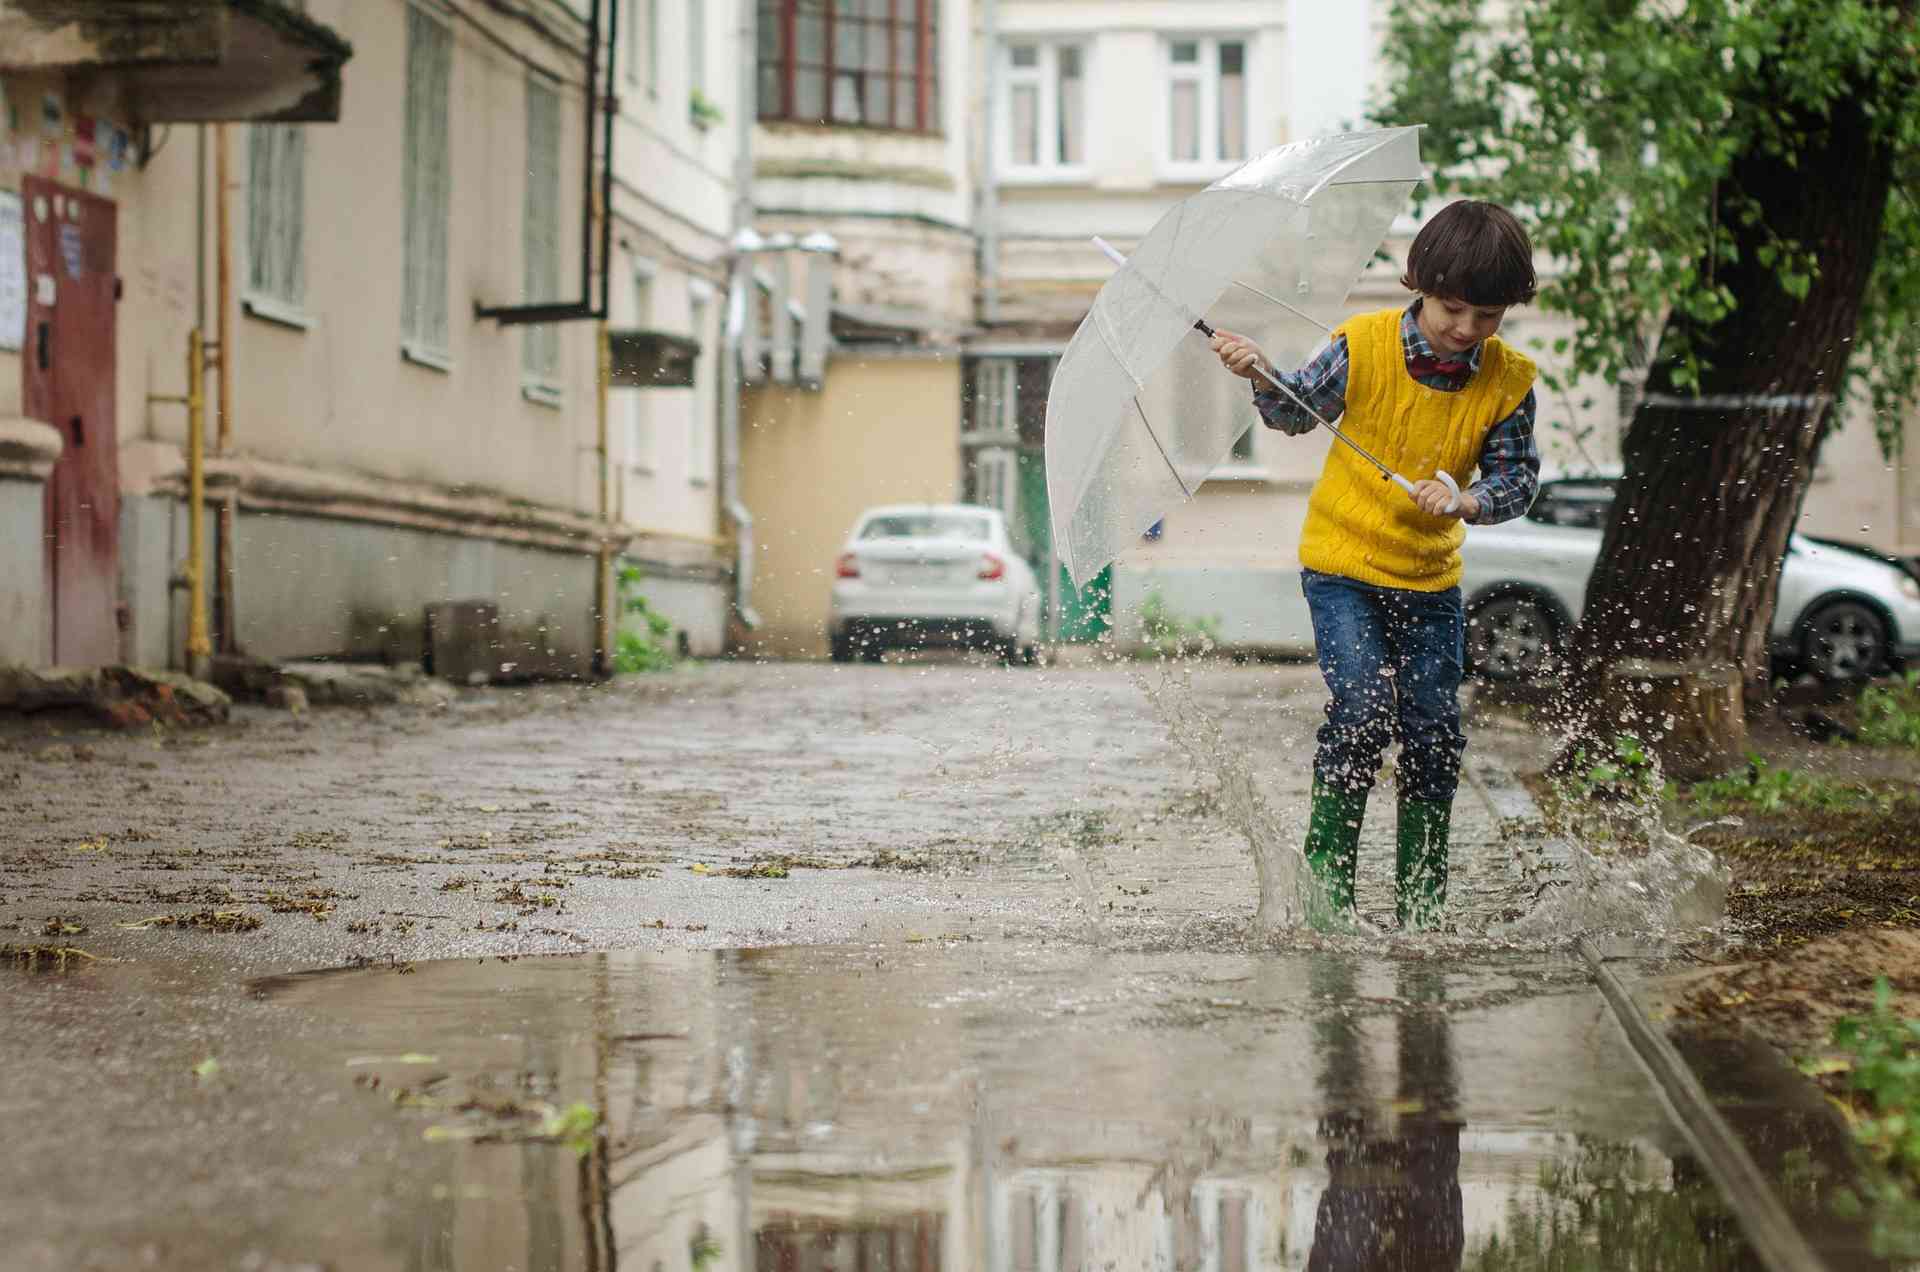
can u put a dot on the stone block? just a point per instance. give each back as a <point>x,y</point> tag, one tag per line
<point>463,641</point>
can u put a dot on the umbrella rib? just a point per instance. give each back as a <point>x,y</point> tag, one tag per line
<point>1284,305</point>
<point>1146,424</point>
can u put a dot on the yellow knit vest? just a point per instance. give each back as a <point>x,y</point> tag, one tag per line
<point>1366,528</point>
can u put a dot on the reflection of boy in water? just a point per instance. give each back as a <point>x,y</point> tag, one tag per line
<point>1393,1201</point>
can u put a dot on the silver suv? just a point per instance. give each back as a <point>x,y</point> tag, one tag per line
<point>1844,612</point>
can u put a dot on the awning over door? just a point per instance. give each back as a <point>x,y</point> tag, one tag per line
<point>192,61</point>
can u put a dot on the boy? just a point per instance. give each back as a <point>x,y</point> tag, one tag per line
<point>1424,388</point>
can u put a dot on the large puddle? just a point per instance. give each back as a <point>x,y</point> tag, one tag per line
<point>965,1106</point>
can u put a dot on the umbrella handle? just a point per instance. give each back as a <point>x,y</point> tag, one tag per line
<point>1444,477</point>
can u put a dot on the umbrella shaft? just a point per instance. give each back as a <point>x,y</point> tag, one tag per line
<point>1323,422</point>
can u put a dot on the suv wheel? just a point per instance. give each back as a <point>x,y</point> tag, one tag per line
<point>1511,637</point>
<point>1844,640</point>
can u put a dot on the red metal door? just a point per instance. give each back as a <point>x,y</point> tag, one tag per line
<point>69,384</point>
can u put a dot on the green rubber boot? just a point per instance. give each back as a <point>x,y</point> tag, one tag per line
<point>1333,852</point>
<point>1420,866</point>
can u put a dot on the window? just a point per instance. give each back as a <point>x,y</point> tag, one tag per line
<point>276,205</point>
<point>640,453</point>
<point>636,47</point>
<point>428,176</point>
<point>700,427</point>
<point>1206,101</point>
<point>697,48</point>
<point>540,231</point>
<point>653,47</point>
<point>869,63</point>
<point>1045,110</point>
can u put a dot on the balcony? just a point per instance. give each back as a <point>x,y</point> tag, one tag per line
<point>195,61</point>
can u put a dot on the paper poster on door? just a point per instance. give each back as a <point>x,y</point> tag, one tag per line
<point>13,272</point>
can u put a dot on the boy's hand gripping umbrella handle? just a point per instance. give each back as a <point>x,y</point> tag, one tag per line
<point>1200,325</point>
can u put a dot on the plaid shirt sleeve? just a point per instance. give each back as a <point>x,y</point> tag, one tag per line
<point>1509,467</point>
<point>1321,384</point>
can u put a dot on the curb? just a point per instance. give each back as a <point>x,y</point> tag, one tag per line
<point>1775,1239</point>
<point>1769,1229</point>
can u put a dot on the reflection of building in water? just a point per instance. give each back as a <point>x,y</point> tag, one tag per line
<point>860,1111</point>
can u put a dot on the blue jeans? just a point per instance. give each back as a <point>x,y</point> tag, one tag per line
<point>1392,659</point>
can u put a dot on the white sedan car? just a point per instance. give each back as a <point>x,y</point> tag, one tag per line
<point>1843,612</point>
<point>932,574</point>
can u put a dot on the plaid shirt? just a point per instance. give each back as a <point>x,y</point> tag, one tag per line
<point>1509,460</point>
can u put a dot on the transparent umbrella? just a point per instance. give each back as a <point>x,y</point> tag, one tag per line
<point>1140,410</point>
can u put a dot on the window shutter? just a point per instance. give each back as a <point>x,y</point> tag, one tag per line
<point>428,180</point>
<point>276,194</point>
<point>541,231</point>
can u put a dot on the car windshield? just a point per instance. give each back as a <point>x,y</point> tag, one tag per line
<point>926,525</point>
<point>1582,505</point>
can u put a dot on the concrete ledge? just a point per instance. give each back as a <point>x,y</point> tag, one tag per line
<point>28,449</point>
<point>263,485</point>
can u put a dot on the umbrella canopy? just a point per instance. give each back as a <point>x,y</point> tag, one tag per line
<point>1140,410</point>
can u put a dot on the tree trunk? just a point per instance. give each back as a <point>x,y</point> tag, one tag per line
<point>1690,564</point>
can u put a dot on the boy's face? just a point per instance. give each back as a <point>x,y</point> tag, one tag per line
<point>1452,326</point>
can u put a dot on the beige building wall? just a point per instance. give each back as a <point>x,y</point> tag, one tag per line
<point>332,389</point>
<point>368,481</point>
<point>884,429</point>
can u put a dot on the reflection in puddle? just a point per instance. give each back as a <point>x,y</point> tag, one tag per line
<point>865,1110</point>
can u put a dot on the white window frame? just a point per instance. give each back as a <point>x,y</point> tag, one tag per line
<point>426,307</point>
<point>700,430</point>
<point>1206,74</point>
<point>540,241</point>
<point>642,444</point>
<point>276,287</point>
<point>1044,78</point>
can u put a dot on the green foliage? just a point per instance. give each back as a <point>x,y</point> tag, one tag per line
<point>635,651</point>
<point>1890,714</point>
<point>1882,1068</point>
<point>1165,633</point>
<point>702,1251</point>
<point>1630,772</point>
<point>702,111</point>
<point>574,1126</point>
<point>1613,127</point>
<point>1762,788</point>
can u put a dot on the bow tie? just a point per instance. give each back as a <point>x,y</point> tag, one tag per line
<point>1426,364</point>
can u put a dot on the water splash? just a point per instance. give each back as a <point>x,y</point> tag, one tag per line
<point>1672,888</point>
<point>1277,861</point>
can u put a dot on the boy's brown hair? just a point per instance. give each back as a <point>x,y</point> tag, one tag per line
<point>1472,251</point>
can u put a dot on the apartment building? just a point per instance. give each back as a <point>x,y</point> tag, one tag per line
<point>397,270</point>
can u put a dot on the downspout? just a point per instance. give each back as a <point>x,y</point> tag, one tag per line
<point>989,173</point>
<point>606,621</point>
<point>226,636</point>
<point>739,291</point>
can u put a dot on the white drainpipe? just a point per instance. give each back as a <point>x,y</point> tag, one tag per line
<point>739,288</point>
<point>989,172</point>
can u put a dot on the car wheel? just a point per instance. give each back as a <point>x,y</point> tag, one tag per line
<point>1030,655</point>
<point>1511,637</point>
<point>1844,640</point>
<point>840,648</point>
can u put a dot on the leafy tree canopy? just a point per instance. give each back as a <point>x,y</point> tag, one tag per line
<point>1614,126</point>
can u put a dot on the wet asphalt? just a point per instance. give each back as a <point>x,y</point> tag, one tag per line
<point>929,965</point>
